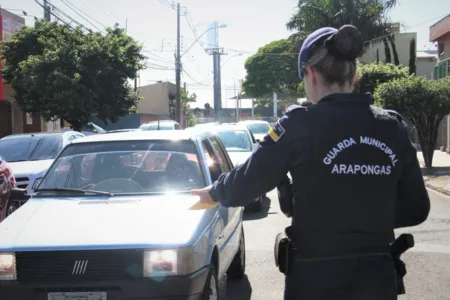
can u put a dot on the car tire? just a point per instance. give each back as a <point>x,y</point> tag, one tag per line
<point>211,291</point>
<point>237,268</point>
<point>11,207</point>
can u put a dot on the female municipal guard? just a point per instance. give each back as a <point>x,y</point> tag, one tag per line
<point>355,178</point>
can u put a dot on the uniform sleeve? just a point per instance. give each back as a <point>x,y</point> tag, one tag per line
<point>413,203</point>
<point>265,168</point>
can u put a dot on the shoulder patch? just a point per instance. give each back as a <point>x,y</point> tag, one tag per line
<point>276,131</point>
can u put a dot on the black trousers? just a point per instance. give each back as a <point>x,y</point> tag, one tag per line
<point>362,278</point>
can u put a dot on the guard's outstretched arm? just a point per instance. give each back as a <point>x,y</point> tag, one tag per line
<point>268,164</point>
<point>413,203</point>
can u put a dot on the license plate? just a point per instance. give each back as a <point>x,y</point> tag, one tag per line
<point>77,296</point>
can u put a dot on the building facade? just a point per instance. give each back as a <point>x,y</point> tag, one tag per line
<point>440,34</point>
<point>12,119</point>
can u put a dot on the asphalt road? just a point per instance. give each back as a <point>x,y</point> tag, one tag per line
<point>428,263</point>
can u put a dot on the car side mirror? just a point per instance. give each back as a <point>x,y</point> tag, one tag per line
<point>19,194</point>
<point>94,130</point>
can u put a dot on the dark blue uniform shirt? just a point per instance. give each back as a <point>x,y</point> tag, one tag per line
<point>355,173</point>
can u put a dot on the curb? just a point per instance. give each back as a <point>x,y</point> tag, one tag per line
<point>437,189</point>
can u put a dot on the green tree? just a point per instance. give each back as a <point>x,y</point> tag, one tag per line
<point>186,100</point>
<point>59,72</point>
<point>424,102</point>
<point>369,16</point>
<point>370,76</point>
<point>412,56</point>
<point>272,69</point>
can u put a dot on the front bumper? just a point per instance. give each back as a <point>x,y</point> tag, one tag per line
<point>170,288</point>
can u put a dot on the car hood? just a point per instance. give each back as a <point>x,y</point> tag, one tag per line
<point>238,157</point>
<point>26,168</point>
<point>101,222</point>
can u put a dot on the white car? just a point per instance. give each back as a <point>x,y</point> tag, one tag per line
<point>239,143</point>
<point>161,125</point>
<point>258,128</point>
<point>30,155</point>
<point>113,219</point>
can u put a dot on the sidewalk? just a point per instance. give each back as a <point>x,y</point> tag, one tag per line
<point>438,177</point>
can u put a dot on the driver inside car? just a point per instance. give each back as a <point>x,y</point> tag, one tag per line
<point>179,172</point>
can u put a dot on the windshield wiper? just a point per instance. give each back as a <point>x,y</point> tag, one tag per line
<point>76,190</point>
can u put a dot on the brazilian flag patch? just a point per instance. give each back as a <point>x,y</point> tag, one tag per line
<point>276,132</point>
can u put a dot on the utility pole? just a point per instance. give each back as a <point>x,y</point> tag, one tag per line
<point>178,69</point>
<point>47,11</point>
<point>216,53</point>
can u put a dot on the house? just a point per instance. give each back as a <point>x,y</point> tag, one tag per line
<point>12,119</point>
<point>440,34</point>
<point>156,104</point>
<point>425,63</point>
<point>397,49</point>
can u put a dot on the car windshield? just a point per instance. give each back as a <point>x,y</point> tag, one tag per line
<point>258,128</point>
<point>235,140</point>
<point>30,148</point>
<point>128,167</point>
<point>156,126</point>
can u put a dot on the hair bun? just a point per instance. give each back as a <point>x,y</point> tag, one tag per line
<point>348,42</point>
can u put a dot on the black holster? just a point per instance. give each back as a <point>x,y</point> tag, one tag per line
<point>283,253</point>
<point>397,248</point>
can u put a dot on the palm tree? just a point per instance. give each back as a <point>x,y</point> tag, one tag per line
<point>369,16</point>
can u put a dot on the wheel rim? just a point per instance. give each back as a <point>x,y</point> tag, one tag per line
<point>213,289</point>
<point>10,210</point>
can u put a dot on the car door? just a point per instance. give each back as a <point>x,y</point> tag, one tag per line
<point>234,214</point>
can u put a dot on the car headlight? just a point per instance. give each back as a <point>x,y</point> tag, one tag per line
<point>36,183</point>
<point>160,263</point>
<point>8,266</point>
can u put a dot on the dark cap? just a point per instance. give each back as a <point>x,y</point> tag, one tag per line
<point>315,38</point>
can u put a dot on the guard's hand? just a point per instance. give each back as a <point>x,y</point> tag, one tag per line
<point>205,197</point>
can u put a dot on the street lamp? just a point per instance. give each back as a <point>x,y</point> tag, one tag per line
<point>212,28</point>
<point>239,54</point>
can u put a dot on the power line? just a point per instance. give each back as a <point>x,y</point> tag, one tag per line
<point>84,13</point>
<point>74,9</point>
<point>187,74</point>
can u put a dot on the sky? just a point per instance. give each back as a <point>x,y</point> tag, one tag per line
<point>248,25</point>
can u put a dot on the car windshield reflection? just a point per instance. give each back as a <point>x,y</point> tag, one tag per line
<point>260,128</point>
<point>235,140</point>
<point>30,148</point>
<point>126,168</point>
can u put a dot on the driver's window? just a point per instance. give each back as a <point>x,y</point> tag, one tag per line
<point>221,159</point>
<point>211,160</point>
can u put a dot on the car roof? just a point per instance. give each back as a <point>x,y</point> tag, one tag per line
<point>229,127</point>
<point>253,121</point>
<point>160,121</point>
<point>39,134</point>
<point>139,136</point>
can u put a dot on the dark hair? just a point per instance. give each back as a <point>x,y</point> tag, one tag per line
<point>335,58</point>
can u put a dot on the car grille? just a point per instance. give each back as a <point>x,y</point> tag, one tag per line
<point>93,265</point>
<point>22,182</point>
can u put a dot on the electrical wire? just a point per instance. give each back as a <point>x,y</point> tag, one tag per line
<point>187,74</point>
<point>75,11</point>
<point>84,13</point>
